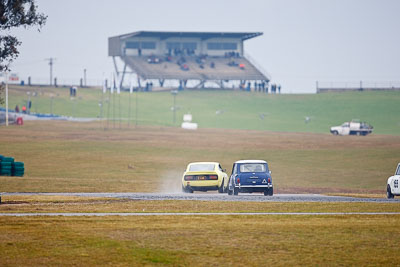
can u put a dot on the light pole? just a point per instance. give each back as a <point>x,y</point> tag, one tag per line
<point>136,107</point>
<point>174,93</point>
<point>6,98</point>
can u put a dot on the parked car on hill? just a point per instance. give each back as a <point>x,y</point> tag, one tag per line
<point>354,127</point>
<point>250,176</point>
<point>393,188</point>
<point>204,176</point>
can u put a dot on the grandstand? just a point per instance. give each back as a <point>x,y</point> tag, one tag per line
<point>199,57</point>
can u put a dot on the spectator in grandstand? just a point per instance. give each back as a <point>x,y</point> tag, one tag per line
<point>23,109</point>
<point>248,87</point>
<point>181,60</point>
<point>279,88</point>
<point>16,109</point>
<point>255,86</point>
<point>139,52</point>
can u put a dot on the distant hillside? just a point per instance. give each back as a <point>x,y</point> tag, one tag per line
<point>226,109</point>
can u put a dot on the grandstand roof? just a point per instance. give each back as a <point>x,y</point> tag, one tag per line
<point>203,35</point>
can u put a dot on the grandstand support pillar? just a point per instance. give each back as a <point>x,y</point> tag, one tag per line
<point>221,84</point>
<point>119,78</point>
<point>161,81</point>
<point>115,65</point>
<point>139,85</point>
<point>200,84</point>
<point>122,77</point>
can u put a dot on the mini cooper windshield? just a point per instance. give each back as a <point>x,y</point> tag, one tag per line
<point>253,167</point>
<point>201,167</point>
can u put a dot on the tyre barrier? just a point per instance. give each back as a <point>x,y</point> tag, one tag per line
<point>10,167</point>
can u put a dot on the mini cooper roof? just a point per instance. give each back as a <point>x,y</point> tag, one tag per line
<point>251,161</point>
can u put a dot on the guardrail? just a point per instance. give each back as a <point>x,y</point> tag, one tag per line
<point>356,86</point>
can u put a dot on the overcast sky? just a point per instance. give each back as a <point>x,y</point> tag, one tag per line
<point>304,40</point>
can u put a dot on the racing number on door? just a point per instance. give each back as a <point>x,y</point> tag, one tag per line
<point>396,183</point>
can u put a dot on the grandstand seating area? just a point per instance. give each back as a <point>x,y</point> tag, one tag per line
<point>193,67</point>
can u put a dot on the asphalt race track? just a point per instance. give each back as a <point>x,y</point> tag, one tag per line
<point>220,197</point>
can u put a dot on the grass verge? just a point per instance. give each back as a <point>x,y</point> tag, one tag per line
<point>200,240</point>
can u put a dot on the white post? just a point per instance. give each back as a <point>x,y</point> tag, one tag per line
<point>6,98</point>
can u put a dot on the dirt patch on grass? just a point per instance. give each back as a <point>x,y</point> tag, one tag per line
<point>13,202</point>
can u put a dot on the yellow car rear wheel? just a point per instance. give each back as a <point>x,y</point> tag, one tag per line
<point>187,190</point>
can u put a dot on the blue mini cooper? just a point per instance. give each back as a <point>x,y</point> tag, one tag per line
<point>250,176</point>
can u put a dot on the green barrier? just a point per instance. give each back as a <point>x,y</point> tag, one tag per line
<point>9,167</point>
<point>7,159</point>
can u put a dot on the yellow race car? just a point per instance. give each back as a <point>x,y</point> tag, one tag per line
<point>204,176</point>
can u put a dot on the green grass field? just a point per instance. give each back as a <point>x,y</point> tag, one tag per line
<point>200,241</point>
<point>304,158</point>
<point>240,110</point>
<point>83,157</point>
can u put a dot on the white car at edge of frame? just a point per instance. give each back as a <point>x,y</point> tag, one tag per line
<point>393,187</point>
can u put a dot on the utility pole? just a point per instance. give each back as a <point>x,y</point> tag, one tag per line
<point>51,62</point>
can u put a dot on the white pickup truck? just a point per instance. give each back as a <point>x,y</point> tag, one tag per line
<point>354,127</point>
<point>393,187</point>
